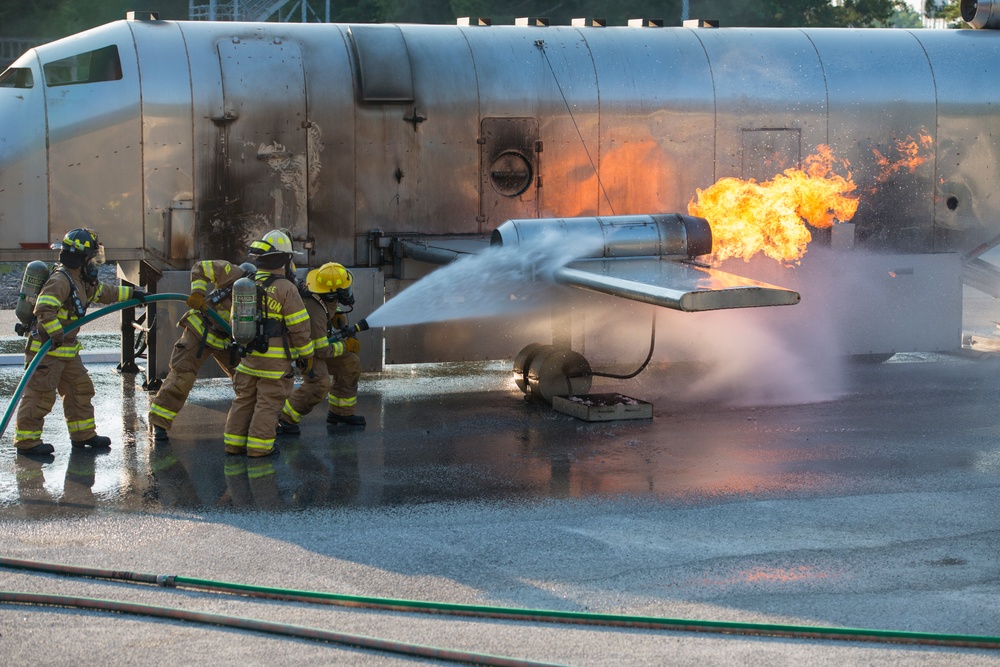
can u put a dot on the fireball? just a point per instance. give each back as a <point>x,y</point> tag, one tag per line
<point>774,217</point>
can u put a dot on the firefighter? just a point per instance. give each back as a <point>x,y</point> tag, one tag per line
<point>202,338</point>
<point>71,287</point>
<point>264,378</point>
<point>337,369</point>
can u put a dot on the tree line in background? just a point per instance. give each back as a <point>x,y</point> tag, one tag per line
<point>52,19</point>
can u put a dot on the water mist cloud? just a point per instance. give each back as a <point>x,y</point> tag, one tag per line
<point>501,280</point>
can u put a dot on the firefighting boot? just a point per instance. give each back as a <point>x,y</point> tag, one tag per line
<point>94,442</point>
<point>350,420</point>
<point>284,428</point>
<point>42,449</point>
<point>159,433</point>
<point>257,454</point>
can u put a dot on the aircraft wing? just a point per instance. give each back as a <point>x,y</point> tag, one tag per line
<point>672,284</point>
<point>661,281</point>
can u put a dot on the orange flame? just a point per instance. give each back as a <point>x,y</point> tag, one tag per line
<point>908,159</point>
<point>747,217</point>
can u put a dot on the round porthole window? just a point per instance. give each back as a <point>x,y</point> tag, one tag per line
<point>510,173</point>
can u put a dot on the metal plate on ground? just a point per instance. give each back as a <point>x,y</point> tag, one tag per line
<point>602,407</point>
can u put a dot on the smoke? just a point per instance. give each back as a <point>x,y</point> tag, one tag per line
<point>788,355</point>
<point>501,280</point>
<point>763,357</point>
<point>782,355</point>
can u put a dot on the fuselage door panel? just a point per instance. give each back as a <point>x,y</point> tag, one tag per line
<point>263,174</point>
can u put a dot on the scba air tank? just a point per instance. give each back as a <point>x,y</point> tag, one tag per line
<point>243,315</point>
<point>35,275</point>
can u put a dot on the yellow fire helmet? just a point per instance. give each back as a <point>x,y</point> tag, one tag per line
<point>275,241</point>
<point>332,279</point>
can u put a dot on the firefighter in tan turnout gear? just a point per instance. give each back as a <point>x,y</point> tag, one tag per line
<point>337,369</point>
<point>202,338</point>
<point>71,287</point>
<point>264,378</point>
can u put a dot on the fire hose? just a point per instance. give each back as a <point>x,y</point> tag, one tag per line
<point>269,627</point>
<point>505,613</point>
<point>131,303</point>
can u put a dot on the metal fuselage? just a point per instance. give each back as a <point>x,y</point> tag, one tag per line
<point>213,133</point>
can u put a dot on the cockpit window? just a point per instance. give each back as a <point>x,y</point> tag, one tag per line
<point>17,77</point>
<point>90,67</point>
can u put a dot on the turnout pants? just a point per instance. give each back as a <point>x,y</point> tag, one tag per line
<point>185,362</point>
<point>307,395</point>
<point>253,417</point>
<point>68,377</point>
<point>345,373</point>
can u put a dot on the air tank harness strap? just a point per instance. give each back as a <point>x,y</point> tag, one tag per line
<point>270,327</point>
<point>79,306</point>
<point>326,309</point>
<point>212,301</point>
<point>204,340</point>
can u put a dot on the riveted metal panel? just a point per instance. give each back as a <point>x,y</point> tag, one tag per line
<point>383,63</point>
<point>23,178</point>
<point>265,142</point>
<point>168,153</point>
<point>768,82</point>
<point>95,145</point>
<point>966,146</point>
<point>657,106</point>
<point>418,164</point>
<point>547,74</point>
<point>881,91</point>
<point>510,171</point>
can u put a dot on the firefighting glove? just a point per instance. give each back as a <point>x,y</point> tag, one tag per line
<point>352,345</point>
<point>308,368</point>
<point>196,301</point>
<point>339,321</point>
<point>139,294</point>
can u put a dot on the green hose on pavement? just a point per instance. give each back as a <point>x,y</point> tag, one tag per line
<point>131,303</point>
<point>515,614</point>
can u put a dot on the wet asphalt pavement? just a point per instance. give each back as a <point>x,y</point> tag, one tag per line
<point>876,508</point>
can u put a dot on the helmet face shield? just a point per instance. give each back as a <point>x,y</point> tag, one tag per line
<point>345,296</point>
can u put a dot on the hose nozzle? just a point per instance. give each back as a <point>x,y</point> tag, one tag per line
<point>349,331</point>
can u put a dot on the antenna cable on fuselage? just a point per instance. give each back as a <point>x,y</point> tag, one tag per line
<point>540,43</point>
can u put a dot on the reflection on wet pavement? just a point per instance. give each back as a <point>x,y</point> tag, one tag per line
<point>464,432</point>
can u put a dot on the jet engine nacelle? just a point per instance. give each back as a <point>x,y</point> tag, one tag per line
<point>981,13</point>
<point>672,235</point>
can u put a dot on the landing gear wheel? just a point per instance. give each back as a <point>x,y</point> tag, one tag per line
<point>544,371</point>
<point>522,361</point>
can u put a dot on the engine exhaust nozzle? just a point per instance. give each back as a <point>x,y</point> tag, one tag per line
<point>662,235</point>
<point>981,14</point>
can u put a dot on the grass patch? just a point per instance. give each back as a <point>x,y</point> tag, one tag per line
<point>11,267</point>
